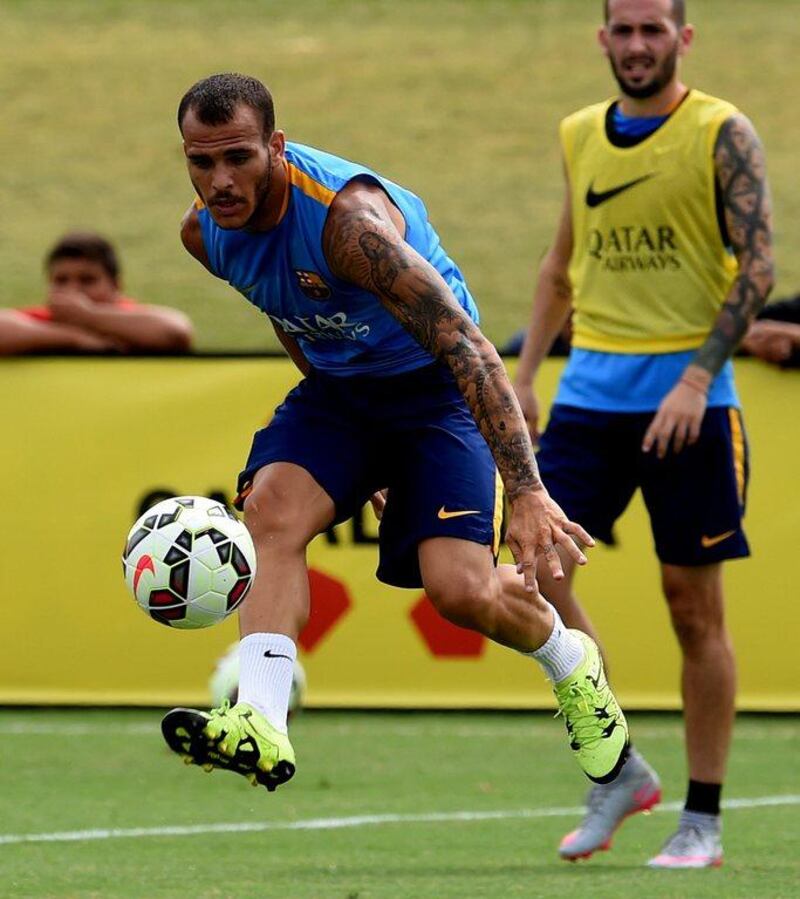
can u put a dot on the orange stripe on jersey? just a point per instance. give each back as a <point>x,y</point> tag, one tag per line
<point>310,187</point>
<point>737,439</point>
<point>198,203</point>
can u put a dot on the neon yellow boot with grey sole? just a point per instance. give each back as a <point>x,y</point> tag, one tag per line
<point>232,738</point>
<point>597,730</point>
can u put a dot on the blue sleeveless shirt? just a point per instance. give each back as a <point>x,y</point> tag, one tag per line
<point>340,328</point>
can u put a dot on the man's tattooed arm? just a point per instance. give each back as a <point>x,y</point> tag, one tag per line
<point>363,246</point>
<point>741,172</point>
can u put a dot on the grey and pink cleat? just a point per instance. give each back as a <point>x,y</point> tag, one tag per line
<point>636,789</point>
<point>691,846</point>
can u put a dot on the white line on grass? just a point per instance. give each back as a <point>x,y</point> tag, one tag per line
<point>73,836</point>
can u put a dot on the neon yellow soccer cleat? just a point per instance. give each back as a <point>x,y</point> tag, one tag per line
<point>237,738</point>
<point>598,732</point>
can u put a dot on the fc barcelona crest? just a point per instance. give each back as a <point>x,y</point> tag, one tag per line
<point>313,285</point>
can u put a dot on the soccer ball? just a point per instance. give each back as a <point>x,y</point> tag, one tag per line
<point>224,683</point>
<point>189,562</point>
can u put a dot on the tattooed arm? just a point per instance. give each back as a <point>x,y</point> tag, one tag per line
<point>363,244</point>
<point>741,172</point>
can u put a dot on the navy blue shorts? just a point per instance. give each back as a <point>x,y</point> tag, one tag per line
<point>412,433</point>
<point>592,462</point>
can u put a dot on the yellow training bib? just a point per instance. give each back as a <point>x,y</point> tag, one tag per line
<point>649,269</point>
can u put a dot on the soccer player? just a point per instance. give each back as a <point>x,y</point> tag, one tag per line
<point>401,390</point>
<point>86,311</point>
<point>663,251</point>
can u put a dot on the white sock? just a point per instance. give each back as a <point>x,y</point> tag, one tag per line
<point>266,665</point>
<point>561,653</point>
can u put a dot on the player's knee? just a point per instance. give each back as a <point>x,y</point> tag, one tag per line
<point>464,598</point>
<point>272,516</point>
<point>696,614</point>
<point>690,628</point>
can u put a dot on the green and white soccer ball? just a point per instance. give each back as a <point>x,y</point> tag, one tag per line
<point>189,562</point>
<point>224,683</point>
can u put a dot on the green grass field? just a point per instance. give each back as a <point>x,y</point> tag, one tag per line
<point>457,100</point>
<point>422,806</point>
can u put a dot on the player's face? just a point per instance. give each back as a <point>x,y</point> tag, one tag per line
<point>82,276</point>
<point>231,165</point>
<point>643,43</point>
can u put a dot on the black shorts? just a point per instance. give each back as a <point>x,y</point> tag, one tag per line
<point>592,463</point>
<point>412,433</point>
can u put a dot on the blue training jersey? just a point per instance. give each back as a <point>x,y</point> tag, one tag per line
<point>633,382</point>
<point>341,328</point>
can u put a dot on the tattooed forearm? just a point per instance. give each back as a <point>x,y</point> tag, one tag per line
<point>741,171</point>
<point>410,290</point>
<point>363,249</point>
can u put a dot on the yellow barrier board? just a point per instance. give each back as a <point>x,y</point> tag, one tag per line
<point>86,441</point>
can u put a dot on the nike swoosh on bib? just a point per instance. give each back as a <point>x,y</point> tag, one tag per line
<point>596,199</point>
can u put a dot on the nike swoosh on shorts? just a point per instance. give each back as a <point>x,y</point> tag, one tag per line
<point>444,514</point>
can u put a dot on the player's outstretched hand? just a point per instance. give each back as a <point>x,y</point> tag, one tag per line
<point>536,526</point>
<point>677,420</point>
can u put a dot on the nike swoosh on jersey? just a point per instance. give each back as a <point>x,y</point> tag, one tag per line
<point>707,542</point>
<point>444,514</point>
<point>596,199</point>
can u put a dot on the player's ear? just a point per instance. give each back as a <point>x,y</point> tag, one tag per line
<point>686,38</point>
<point>602,39</point>
<point>277,143</point>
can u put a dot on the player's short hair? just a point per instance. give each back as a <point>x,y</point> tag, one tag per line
<point>85,245</point>
<point>214,100</point>
<point>678,11</point>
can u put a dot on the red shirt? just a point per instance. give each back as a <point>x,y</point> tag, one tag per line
<point>43,313</point>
